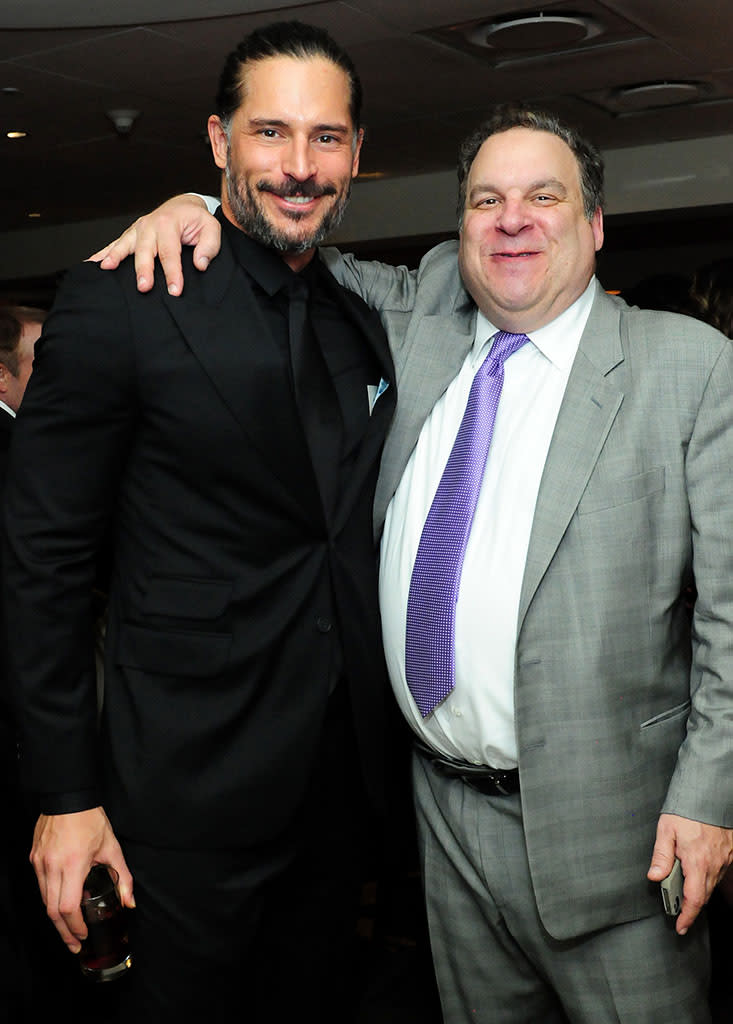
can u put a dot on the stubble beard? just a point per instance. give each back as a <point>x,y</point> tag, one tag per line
<point>249,214</point>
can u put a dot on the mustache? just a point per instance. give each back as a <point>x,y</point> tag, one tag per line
<point>288,189</point>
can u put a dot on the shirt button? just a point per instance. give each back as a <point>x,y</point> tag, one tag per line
<point>456,711</point>
<point>323,625</point>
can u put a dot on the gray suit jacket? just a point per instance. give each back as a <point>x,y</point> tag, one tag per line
<point>624,708</point>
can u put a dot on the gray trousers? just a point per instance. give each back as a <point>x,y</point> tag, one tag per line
<point>494,961</point>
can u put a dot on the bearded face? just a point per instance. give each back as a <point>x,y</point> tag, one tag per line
<point>295,229</point>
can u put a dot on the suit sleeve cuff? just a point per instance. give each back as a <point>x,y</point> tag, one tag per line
<point>212,203</point>
<point>68,803</point>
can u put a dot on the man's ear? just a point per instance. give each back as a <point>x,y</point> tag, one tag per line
<point>357,150</point>
<point>597,228</point>
<point>5,376</point>
<point>219,141</point>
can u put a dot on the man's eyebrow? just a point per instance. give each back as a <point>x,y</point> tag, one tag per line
<point>549,183</point>
<point>276,122</point>
<point>552,184</point>
<point>267,122</point>
<point>481,187</point>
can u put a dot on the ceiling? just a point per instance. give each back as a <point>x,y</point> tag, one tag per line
<point>427,82</point>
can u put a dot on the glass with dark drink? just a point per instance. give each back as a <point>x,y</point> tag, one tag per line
<point>105,953</point>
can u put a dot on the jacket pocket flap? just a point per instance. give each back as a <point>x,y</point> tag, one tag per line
<point>669,714</point>
<point>612,493</point>
<point>187,598</point>
<point>174,653</point>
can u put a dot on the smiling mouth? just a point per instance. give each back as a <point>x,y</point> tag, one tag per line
<point>298,193</point>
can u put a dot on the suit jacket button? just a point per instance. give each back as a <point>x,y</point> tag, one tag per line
<point>323,624</point>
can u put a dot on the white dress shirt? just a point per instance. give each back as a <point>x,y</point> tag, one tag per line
<point>475,722</point>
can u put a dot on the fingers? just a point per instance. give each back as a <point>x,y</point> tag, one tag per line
<point>61,886</point>
<point>696,893</point>
<point>185,222</point>
<point>100,254</point>
<point>209,243</point>
<point>182,220</point>
<point>704,851</point>
<point>167,242</point>
<point>110,257</point>
<point>112,855</point>
<point>663,856</point>
<point>65,846</point>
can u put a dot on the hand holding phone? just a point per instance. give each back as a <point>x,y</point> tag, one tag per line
<point>671,887</point>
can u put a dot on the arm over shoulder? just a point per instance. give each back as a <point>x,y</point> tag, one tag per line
<point>380,285</point>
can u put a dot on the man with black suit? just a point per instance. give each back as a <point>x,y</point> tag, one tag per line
<point>231,440</point>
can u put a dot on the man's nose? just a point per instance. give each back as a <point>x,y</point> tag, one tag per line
<point>298,162</point>
<point>514,215</point>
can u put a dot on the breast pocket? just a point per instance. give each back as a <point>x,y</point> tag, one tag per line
<point>669,716</point>
<point>612,493</point>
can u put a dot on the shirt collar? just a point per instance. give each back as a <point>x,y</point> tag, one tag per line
<point>7,409</point>
<point>558,341</point>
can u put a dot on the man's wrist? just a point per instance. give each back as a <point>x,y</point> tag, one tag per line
<point>212,203</point>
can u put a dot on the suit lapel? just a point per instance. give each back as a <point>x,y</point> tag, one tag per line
<point>586,415</point>
<point>222,313</point>
<point>430,359</point>
<point>372,332</point>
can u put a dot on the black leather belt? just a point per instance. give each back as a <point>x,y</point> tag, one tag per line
<point>491,781</point>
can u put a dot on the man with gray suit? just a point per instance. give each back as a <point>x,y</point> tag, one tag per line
<point>586,724</point>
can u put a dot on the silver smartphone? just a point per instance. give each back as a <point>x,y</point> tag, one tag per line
<point>672,890</point>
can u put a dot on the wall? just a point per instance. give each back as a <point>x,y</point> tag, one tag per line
<point>674,176</point>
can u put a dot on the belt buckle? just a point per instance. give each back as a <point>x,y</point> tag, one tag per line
<point>496,780</point>
<point>499,785</point>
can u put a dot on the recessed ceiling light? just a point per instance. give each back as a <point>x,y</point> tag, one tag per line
<point>16,135</point>
<point>34,216</point>
<point>535,31</point>
<point>657,94</point>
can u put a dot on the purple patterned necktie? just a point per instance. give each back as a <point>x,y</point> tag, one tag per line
<point>436,575</point>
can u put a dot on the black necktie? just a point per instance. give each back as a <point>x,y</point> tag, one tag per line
<point>314,393</point>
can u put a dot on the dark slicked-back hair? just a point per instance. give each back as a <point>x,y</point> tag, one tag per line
<point>513,115</point>
<point>12,321</point>
<point>283,39</point>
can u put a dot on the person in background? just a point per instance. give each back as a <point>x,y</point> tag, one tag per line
<point>573,726</point>
<point>231,442</point>
<point>668,291</point>
<point>711,295</point>
<point>20,328</point>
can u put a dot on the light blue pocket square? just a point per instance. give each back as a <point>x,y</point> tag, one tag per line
<point>374,391</point>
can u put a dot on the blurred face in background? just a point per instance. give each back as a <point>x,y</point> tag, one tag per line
<point>14,377</point>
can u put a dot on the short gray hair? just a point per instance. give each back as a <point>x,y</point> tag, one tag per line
<point>515,115</point>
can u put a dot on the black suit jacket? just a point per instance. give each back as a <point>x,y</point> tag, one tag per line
<point>174,421</point>
<point>8,751</point>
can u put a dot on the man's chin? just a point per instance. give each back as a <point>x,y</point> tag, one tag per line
<point>297,241</point>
